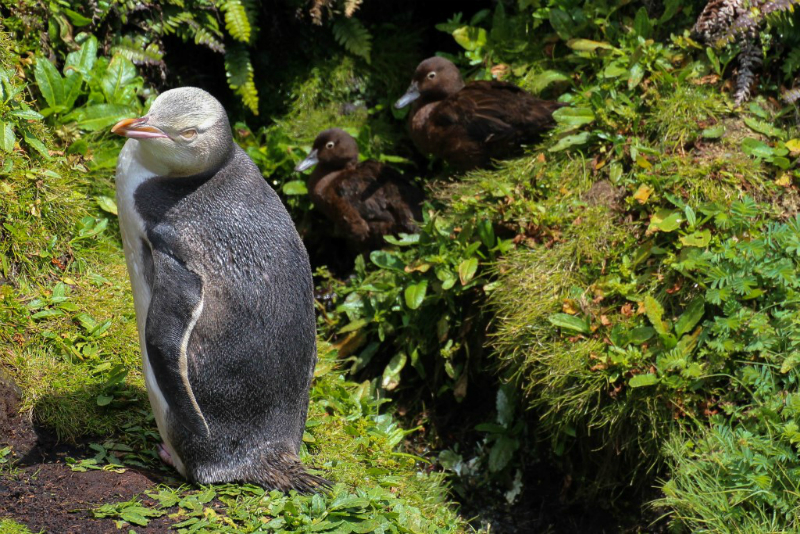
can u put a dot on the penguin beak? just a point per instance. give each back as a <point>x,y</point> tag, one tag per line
<point>309,162</point>
<point>411,95</point>
<point>137,129</point>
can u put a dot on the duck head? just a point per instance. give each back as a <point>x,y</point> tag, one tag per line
<point>185,132</point>
<point>436,78</point>
<point>333,149</point>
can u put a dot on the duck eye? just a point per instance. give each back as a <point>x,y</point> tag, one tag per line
<point>189,134</point>
<point>431,75</point>
<point>329,144</point>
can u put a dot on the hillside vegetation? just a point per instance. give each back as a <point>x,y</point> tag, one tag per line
<point>607,324</point>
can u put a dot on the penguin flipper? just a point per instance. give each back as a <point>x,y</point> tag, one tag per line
<point>175,307</point>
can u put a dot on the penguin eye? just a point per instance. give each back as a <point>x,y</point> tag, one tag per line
<point>431,75</point>
<point>329,144</point>
<point>189,134</point>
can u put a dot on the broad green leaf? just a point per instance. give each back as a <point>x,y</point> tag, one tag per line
<point>763,127</point>
<point>647,379</point>
<point>415,294</point>
<point>715,132</point>
<point>569,322</point>
<point>561,23</point>
<point>446,276</point>
<point>641,334</point>
<point>586,45</point>
<point>391,374</point>
<point>387,260</point>
<point>793,145</point>
<point>570,141</point>
<point>470,38</point>
<point>76,18</point>
<point>757,148</point>
<point>573,116</point>
<point>82,61</point>
<point>107,204</point>
<point>115,83</point>
<point>542,80</point>
<point>467,269</point>
<point>690,317</point>
<point>486,233</point>
<point>44,314</point>
<point>635,76</point>
<point>99,116</point>
<point>655,312</point>
<point>104,400</point>
<point>7,137</point>
<point>50,82</point>
<point>642,24</point>
<point>697,239</point>
<point>27,114</point>
<point>353,326</point>
<point>295,187</point>
<point>502,452</point>
<point>665,220</point>
<point>33,142</point>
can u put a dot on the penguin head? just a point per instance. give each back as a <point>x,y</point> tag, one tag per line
<point>186,132</point>
<point>333,148</point>
<point>436,78</point>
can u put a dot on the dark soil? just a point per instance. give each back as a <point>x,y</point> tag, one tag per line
<point>43,493</point>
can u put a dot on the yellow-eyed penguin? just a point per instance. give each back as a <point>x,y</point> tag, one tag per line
<point>223,295</point>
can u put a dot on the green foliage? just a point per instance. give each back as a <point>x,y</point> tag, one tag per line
<point>414,296</point>
<point>15,119</point>
<point>353,36</point>
<point>732,480</point>
<point>93,93</point>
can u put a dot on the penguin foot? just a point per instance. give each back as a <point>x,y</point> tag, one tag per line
<point>165,456</point>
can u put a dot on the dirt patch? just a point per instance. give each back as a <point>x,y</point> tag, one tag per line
<point>44,494</point>
<point>602,193</point>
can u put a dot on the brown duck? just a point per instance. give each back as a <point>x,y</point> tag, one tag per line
<point>469,125</point>
<point>364,201</point>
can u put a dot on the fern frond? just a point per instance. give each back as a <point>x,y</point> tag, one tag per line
<point>136,50</point>
<point>355,38</point>
<point>239,71</point>
<point>316,10</point>
<point>350,7</point>
<point>173,22</point>
<point>203,36</point>
<point>236,20</point>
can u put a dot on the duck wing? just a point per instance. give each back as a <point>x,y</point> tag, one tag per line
<point>494,112</point>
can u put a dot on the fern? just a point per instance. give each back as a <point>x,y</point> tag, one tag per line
<point>350,7</point>
<point>355,38</point>
<point>203,36</point>
<point>237,21</point>
<point>138,51</point>
<point>239,71</point>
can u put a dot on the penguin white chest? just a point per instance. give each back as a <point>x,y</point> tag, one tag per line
<point>131,173</point>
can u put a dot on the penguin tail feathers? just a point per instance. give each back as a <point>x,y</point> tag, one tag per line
<point>284,471</point>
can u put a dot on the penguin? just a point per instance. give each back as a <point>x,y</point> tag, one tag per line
<point>469,125</point>
<point>365,201</point>
<point>223,295</point>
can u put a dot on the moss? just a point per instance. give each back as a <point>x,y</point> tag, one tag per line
<point>8,526</point>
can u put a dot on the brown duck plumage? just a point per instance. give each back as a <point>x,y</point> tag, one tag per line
<point>469,125</point>
<point>364,201</point>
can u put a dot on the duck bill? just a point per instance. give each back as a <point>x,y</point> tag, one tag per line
<point>307,163</point>
<point>137,129</point>
<point>411,95</point>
